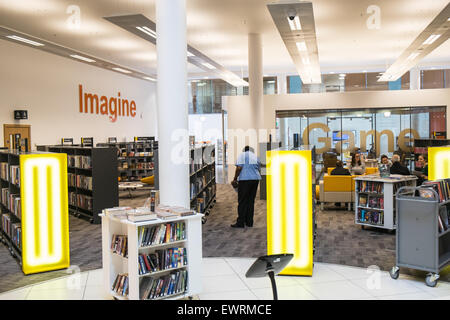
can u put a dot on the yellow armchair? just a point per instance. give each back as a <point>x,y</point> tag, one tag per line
<point>337,189</point>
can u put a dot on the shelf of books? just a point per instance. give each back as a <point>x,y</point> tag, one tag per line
<point>136,160</point>
<point>92,179</point>
<point>151,255</point>
<point>22,209</point>
<point>202,178</point>
<point>375,199</point>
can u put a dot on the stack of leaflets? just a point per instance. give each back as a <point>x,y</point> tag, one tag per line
<point>141,214</point>
<point>118,212</point>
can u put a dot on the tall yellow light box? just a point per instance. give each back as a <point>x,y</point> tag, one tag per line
<point>45,217</point>
<point>438,163</point>
<point>290,208</point>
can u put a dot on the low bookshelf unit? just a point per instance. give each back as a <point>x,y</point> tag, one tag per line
<point>152,260</point>
<point>375,199</point>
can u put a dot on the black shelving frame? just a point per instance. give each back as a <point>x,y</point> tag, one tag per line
<point>426,143</point>
<point>12,158</point>
<point>202,167</point>
<point>105,189</point>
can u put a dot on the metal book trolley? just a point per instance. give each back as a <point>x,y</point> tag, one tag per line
<point>420,245</point>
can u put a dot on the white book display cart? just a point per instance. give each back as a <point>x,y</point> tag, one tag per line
<point>375,199</point>
<point>186,242</point>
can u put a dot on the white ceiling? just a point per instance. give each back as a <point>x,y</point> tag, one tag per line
<point>219,29</point>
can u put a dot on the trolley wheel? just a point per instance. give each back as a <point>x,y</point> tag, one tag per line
<point>431,279</point>
<point>394,272</point>
<point>203,220</point>
<point>207,213</point>
<point>362,227</point>
<point>91,221</point>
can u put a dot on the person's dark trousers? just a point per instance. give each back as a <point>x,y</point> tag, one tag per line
<point>246,198</point>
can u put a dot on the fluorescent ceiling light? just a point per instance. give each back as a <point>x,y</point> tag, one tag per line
<point>301,46</point>
<point>148,31</point>
<point>190,54</point>
<point>149,78</point>
<point>81,58</point>
<point>121,70</point>
<point>34,43</point>
<point>294,24</point>
<point>412,56</point>
<point>271,81</point>
<point>195,81</point>
<point>342,75</point>
<point>208,65</point>
<point>432,39</point>
<point>387,114</point>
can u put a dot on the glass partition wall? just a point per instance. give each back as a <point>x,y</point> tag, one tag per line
<point>374,132</point>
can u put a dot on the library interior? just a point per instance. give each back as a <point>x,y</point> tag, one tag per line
<point>224,150</point>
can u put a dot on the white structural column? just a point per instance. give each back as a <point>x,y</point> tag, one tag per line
<point>173,131</point>
<point>255,79</point>
<point>414,79</point>
<point>282,84</point>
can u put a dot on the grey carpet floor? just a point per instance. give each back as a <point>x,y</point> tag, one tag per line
<point>339,241</point>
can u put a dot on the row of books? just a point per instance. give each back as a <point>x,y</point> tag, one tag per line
<point>137,154</point>
<point>370,216</point>
<point>119,245</point>
<point>400,184</point>
<point>365,200</point>
<point>14,175</point>
<point>4,171</point>
<point>161,233</point>
<point>121,284</point>
<point>12,202</point>
<point>204,198</point>
<point>79,181</point>
<point>138,165</point>
<point>81,201</point>
<point>441,186</point>
<point>196,187</point>
<point>84,162</point>
<point>369,186</point>
<point>162,260</point>
<point>13,230</point>
<point>443,219</point>
<point>195,166</point>
<point>173,283</point>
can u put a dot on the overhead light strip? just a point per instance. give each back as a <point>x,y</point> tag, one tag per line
<point>82,58</point>
<point>121,70</point>
<point>17,38</point>
<point>294,24</point>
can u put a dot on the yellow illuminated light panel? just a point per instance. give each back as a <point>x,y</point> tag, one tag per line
<point>438,163</point>
<point>289,209</point>
<point>45,220</point>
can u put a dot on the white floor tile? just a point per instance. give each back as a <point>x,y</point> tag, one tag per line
<point>386,286</point>
<point>223,283</point>
<point>350,273</point>
<point>229,295</point>
<point>321,273</point>
<point>19,294</point>
<point>93,292</point>
<point>55,294</point>
<point>73,282</point>
<point>284,293</point>
<point>259,283</point>
<point>240,265</point>
<point>442,289</point>
<point>337,290</point>
<point>409,296</point>
<point>216,267</point>
<point>95,278</point>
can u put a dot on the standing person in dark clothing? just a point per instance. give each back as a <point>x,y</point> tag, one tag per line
<point>340,170</point>
<point>247,178</point>
<point>397,167</point>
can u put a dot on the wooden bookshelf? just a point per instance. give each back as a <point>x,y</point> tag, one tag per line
<point>101,169</point>
<point>375,199</point>
<point>113,266</point>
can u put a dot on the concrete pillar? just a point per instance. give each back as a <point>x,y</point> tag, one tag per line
<point>255,77</point>
<point>282,84</point>
<point>173,130</point>
<point>414,79</point>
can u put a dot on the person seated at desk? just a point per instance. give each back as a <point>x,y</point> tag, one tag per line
<point>397,167</point>
<point>339,170</point>
<point>385,160</point>
<point>358,165</point>
<point>422,172</point>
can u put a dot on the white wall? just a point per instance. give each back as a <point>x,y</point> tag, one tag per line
<point>206,127</point>
<point>238,108</point>
<point>47,86</point>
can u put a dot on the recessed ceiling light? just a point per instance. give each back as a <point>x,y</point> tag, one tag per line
<point>387,114</point>
<point>432,39</point>
<point>412,56</point>
<point>34,43</point>
<point>365,71</point>
<point>190,54</point>
<point>342,75</point>
<point>301,46</point>
<point>121,70</point>
<point>149,78</point>
<point>81,58</point>
<point>295,24</point>
<point>271,81</point>
<point>148,31</point>
<point>208,65</point>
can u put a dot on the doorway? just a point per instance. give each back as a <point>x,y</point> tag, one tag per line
<point>17,136</point>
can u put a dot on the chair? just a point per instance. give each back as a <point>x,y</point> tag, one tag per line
<point>337,189</point>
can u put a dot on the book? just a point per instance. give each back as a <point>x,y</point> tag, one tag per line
<point>363,200</point>
<point>443,214</point>
<point>141,214</point>
<point>118,212</point>
<point>165,215</point>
